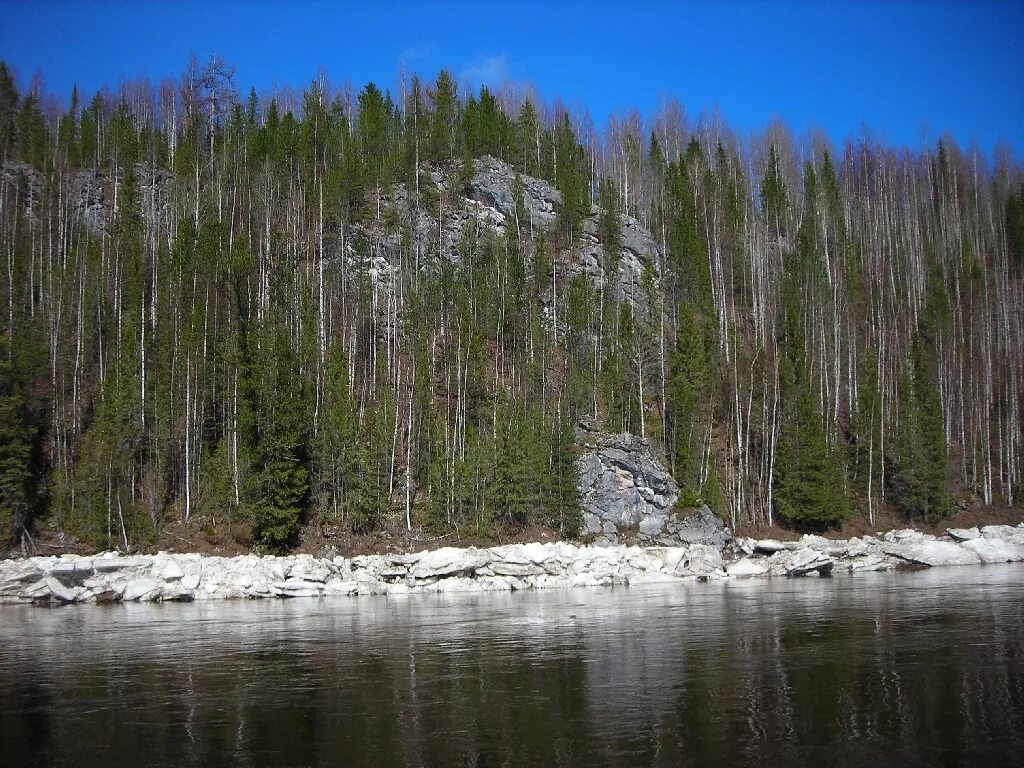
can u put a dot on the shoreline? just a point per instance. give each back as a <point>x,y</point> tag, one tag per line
<point>110,577</point>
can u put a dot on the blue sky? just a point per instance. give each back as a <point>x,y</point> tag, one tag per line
<point>909,71</point>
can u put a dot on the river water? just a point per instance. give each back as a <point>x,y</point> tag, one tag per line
<point>907,669</point>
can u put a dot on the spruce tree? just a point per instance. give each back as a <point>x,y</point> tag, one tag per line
<point>809,489</point>
<point>920,484</point>
<point>281,470</point>
<point>15,450</point>
<point>563,496</point>
<point>808,484</point>
<point>510,490</point>
<point>609,225</point>
<point>688,393</point>
<point>571,180</point>
<point>445,118</point>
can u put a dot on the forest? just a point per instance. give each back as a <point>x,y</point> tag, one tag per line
<point>250,308</point>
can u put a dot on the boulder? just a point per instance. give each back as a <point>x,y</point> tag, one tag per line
<point>39,590</point>
<point>705,560</point>
<point>1000,532</point>
<point>769,546</point>
<point>72,572</point>
<point>591,524</point>
<point>448,561</point>
<point>621,481</point>
<point>652,525</point>
<point>807,560</point>
<point>111,562</point>
<point>141,589</point>
<point>60,592</point>
<point>870,562</point>
<point>296,588</point>
<point>310,569</point>
<point>673,558</point>
<point>175,592</point>
<point>964,534</point>
<point>191,581</point>
<point>499,568</point>
<point>703,527</point>
<point>991,550</point>
<point>171,571</point>
<point>746,567</point>
<point>931,552</point>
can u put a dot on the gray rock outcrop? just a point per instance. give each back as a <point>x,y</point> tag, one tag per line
<point>703,527</point>
<point>488,204</point>
<point>493,186</point>
<point>622,482</point>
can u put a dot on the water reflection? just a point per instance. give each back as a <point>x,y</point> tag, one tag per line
<point>908,669</point>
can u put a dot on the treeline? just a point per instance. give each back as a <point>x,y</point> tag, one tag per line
<point>241,308</point>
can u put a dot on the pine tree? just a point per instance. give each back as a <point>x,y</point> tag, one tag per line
<point>527,130</point>
<point>809,489</point>
<point>9,99</point>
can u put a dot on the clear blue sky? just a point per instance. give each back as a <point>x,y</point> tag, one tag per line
<point>907,70</point>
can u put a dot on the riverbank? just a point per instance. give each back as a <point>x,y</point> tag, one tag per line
<point>110,577</point>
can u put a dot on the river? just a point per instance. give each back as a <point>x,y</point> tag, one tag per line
<point>897,669</point>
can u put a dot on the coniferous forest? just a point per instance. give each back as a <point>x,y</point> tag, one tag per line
<point>305,309</point>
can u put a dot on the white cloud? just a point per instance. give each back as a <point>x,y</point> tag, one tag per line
<point>414,52</point>
<point>486,70</point>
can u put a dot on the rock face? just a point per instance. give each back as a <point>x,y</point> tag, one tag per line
<point>488,204</point>
<point>90,194</point>
<point>638,251</point>
<point>493,186</point>
<point>622,483</point>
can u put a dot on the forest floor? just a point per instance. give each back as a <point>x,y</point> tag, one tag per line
<point>219,537</point>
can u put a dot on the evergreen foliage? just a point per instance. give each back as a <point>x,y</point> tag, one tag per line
<point>920,484</point>
<point>286,310</point>
<point>809,487</point>
<point>15,449</point>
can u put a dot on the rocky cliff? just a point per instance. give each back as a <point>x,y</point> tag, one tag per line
<point>488,203</point>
